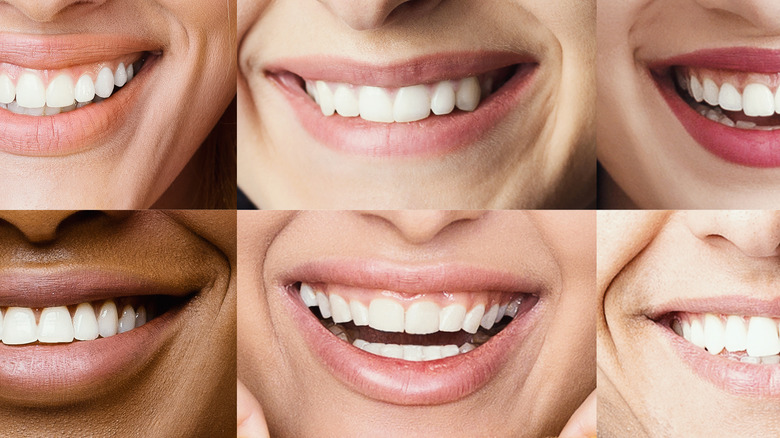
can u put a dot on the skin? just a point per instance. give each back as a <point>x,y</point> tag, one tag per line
<point>541,155</point>
<point>651,162</point>
<point>278,368</point>
<point>646,258</point>
<point>187,389</point>
<point>138,165</point>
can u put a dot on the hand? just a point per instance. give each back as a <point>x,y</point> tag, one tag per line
<point>251,421</point>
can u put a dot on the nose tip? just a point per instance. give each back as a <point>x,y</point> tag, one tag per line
<point>754,233</point>
<point>370,14</point>
<point>421,226</point>
<point>43,11</point>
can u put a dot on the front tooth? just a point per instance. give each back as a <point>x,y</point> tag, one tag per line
<point>308,296</point>
<point>339,309</point>
<point>697,90</point>
<point>30,92</point>
<point>422,318</point>
<point>451,318</point>
<point>120,76</point>
<point>432,352</point>
<point>55,325</point>
<point>711,91</point>
<point>729,98</point>
<point>758,101</point>
<point>394,351</point>
<point>375,105</point>
<point>85,325</point>
<point>473,318</point>
<point>104,84</point>
<point>762,337</point>
<point>467,97</point>
<point>345,102</point>
<point>713,333</point>
<point>19,326</point>
<point>490,317</point>
<point>386,315</point>
<point>736,334</point>
<point>359,313</point>
<point>325,96</point>
<point>411,104</point>
<point>413,353</point>
<point>107,319</point>
<point>127,320</point>
<point>60,92</point>
<point>7,89</point>
<point>85,89</point>
<point>443,99</point>
<point>324,303</point>
<point>697,333</point>
<point>140,316</point>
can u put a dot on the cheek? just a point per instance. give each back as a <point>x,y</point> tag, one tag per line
<point>207,15</point>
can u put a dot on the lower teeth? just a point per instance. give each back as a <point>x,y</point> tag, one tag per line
<point>716,115</point>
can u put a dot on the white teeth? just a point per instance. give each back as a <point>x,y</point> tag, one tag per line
<point>85,89</point>
<point>311,90</point>
<point>126,320</point>
<point>375,105</point>
<point>325,99</point>
<point>758,100</point>
<point>449,350</point>
<point>711,91</point>
<point>713,333</point>
<point>140,315</point>
<point>30,92</point>
<point>697,90</point>
<point>19,326</point>
<point>55,325</point>
<point>7,89</point>
<point>762,337</point>
<point>774,359</point>
<point>307,295</point>
<point>104,84</point>
<point>411,104</point>
<point>473,318</point>
<point>750,359</point>
<point>443,98</point>
<point>451,318</point>
<point>345,102</point>
<point>697,333</point>
<point>120,76</point>
<point>432,352</point>
<point>324,304</point>
<point>60,92</point>
<point>108,319</point>
<point>758,337</point>
<point>359,313</point>
<point>501,312</point>
<point>392,350</point>
<point>413,353</point>
<point>736,334</point>
<point>422,318</point>
<point>468,94</point>
<point>729,98</point>
<point>85,325</point>
<point>386,315</point>
<point>490,317</point>
<point>339,309</point>
<point>465,348</point>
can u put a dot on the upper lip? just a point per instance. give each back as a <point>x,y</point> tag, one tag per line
<point>747,59</point>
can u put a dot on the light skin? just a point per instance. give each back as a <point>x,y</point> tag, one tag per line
<point>137,165</point>
<point>647,258</point>
<point>651,161</point>
<point>186,389</point>
<point>274,361</point>
<point>541,155</point>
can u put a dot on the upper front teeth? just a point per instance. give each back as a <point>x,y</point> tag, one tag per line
<point>755,99</point>
<point>405,104</point>
<point>758,336</point>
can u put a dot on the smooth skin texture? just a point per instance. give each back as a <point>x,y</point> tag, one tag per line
<point>650,160</point>
<point>187,389</point>
<point>541,155</point>
<point>283,374</point>
<point>650,258</point>
<point>138,165</point>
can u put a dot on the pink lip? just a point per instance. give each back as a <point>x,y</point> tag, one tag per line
<point>740,146</point>
<point>403,382</point>
<point>436,135</point>
<point>74,131</point>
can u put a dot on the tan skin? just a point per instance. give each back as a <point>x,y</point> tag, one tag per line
<point>273,363</point>
<point>187,387</point>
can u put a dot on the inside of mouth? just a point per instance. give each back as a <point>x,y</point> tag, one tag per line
<point>747,339</point>
<point>81,322</point>
<point>448,336</point>
<point>730,103</point>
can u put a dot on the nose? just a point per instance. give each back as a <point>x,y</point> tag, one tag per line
<point>47,10</point>
<point>764,14</point>
<point>754,233</point>
<point>422,226</point>
<point>371,14</point>
<point>36,226</point>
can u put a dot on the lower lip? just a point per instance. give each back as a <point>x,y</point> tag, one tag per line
<point>408,383</point>
<point>735,377</point>
<point>56,373</point>
<point>433,136</point>
<point>739,146</point>
<point>74,131</point>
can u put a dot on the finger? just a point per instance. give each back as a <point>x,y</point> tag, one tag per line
<point>583,422</point>
<point>250,418</point>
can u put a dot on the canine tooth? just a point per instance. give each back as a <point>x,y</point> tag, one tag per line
<point>85,325</point>
<point>758,101</point>
<point>7,89</point>
<point>713,333</point>
<point>729,98</point>
<point>750,359</point>
<point>345,101</point>
<point>325,98</point>
<point>762,337</point>
<point>19,326</point>
<point>60,92</point>
<point>375,105</point>
<point>107,319</point>
<point>451,318</point>
<point>443,98</point>
<point>677,327</point>
<point>501,312</point>
<point>473,318</point>
<point>324,303</point>
<point>489,318</point>
<point>774,359</point>
<point>697,90</point>
<point>140,315</point>
<point>85,89</point>
<point>308,296</point>
<point>386,315</point>
<point>735,335</point>
<point>30,92</point>
<point>55,325</point>
<point>104,84</point>
<point>359,313</point>
<point>422,318</point>
<point>411,104</point>
<point>339,309</point>
<point>394,351</point>
<point>413,353</point>
<point>120,75</point>
<point>468,94</point>
<point>130,72</point>
<point>465,348</point>
<point>697,333</point>
<point>449,350</point>
<point>126,320</point>
<point>432,352</point>
<point>711,91</point>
